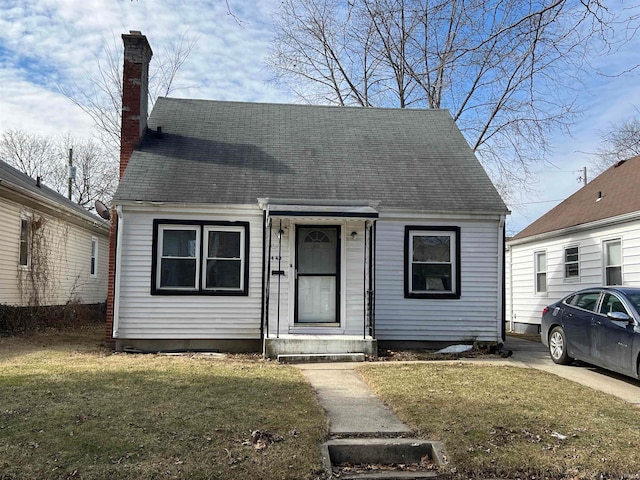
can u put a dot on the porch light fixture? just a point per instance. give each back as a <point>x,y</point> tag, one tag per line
<point>280,233</point>
<point>354,235</point>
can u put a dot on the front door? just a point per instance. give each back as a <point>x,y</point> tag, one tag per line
<point>317,274</point>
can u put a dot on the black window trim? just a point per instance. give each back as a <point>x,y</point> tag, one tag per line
<point>199,291</point>
<point>457,291</point>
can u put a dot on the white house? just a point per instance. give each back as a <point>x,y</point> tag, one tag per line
<point>52,251</point>
<point>299,229</point>
<point>592,238</point>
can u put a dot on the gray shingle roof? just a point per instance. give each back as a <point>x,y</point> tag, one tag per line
<point>231,152</point>
<point>15,177</point>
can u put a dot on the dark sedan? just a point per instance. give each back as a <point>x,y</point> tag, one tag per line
<point>600,326</point>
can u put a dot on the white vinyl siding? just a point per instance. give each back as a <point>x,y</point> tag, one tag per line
<point>526,307</point>
<point>474,316</point>
<point>142,315</point>
<point>67,261</point>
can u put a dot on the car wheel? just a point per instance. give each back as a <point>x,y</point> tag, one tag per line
<point>558,347</point>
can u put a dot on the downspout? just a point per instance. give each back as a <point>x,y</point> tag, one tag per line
<point>266,306</point>
<point>264,261</point>
<point>372,277</point>
<point>364,283</point>
<point>280,232</point>
<point>501,276</point>
<point>116,273</point>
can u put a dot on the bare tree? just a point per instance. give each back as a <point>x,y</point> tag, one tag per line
<point>505,69</point>
<point>96,170</point>
<point>621,142</point>
<point>31,154</point>
<point>46,157</point>
<point>102,98</point>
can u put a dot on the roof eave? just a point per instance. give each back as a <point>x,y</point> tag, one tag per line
<point>27,197</point>
<point>605,222</point>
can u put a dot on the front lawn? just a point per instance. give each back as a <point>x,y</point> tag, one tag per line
<point>71,409</point>
<point>509,422</point>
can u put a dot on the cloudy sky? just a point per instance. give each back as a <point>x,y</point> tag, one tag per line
<point>46,44</point>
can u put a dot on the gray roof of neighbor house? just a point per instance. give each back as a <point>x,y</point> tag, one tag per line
<point>613,193</point>
<point>234,153</point>
<point>13,178</point>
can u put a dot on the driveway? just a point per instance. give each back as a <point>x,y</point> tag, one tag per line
<point>533,354</point>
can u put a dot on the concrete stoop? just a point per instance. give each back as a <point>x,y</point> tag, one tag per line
<point>380,455</point>
<point>320,348</point>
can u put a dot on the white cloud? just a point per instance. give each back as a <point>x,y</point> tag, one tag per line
<point>46,43</point>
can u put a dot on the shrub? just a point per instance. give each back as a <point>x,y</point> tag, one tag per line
<point>19,320</point>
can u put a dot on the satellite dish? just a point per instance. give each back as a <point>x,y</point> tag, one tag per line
<point>102,210</point>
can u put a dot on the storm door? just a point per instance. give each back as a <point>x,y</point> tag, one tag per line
<point>317,274</point>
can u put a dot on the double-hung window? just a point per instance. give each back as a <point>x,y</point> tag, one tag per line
<point>540,265</point>
<point>208,258</point>
<point>432,262</point>
<point>94,257</point>
<point>24,258</point>
<point>612,262</point>
<point>571,263</point>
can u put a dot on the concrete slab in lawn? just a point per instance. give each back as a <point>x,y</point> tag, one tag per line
<point>351,407</point>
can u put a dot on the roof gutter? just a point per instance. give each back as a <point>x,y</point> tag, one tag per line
<point>605,222</point>
<point>52,207</point>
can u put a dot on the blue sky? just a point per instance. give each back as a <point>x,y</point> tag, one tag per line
<point>48,43</point>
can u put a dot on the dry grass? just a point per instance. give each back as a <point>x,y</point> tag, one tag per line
<point>498,421</point>
<point>71,409</point>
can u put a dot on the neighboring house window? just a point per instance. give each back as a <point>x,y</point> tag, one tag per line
<point>541,272</point>
<point>200,258</point>
<point>571,263</point>
<point>25,247</point>
<point>613,262</point>
<point>94,256</point>
<point>432,262</point>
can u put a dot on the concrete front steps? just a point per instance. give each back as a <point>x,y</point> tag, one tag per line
<point>381,458</point>
<point>320,348</point>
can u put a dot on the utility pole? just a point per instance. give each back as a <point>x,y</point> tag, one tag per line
<point>584,176</point>
<point>72,173</point>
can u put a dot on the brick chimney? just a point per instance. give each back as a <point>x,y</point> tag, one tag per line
<point>135,93</point>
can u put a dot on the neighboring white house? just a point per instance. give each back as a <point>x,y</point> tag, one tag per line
<point>592,238</point>
<point>300,228</point>
<point>52,251</point>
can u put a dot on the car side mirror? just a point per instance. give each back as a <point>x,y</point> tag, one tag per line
<point>619,317</point>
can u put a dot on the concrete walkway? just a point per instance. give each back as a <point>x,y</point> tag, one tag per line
<point>353,409</point>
